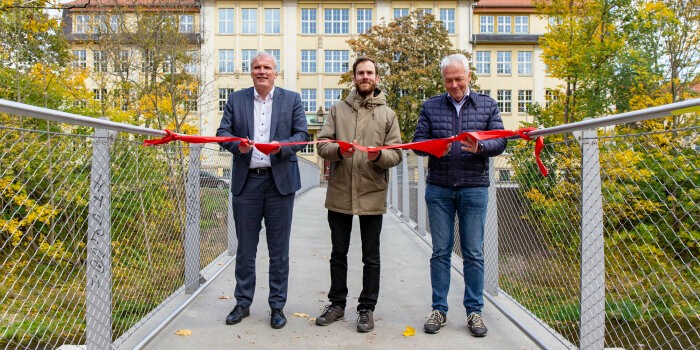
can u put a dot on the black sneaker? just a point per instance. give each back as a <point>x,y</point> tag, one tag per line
<point>330,314</point>
<point>476,325</point>
<point>365,321</point>
<point>436,321</point>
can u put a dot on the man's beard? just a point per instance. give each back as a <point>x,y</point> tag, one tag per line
<point>366,92</point>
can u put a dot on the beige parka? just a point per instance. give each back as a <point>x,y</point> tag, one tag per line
<point>356,185</point>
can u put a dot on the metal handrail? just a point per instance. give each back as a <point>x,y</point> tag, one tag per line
<point>26,110</point>
<point>615,119</point>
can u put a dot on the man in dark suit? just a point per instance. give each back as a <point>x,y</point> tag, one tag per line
<point>263,186</point>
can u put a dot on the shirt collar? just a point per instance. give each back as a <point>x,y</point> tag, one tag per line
<point>269,95</point>
<point>466,95</point>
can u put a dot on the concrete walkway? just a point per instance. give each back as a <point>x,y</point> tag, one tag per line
<point>404,299</point>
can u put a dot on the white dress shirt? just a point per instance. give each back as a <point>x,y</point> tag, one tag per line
<point>262,116</point>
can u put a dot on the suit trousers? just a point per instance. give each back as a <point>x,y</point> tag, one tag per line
<point>341,227</point>
<point>260,200</point>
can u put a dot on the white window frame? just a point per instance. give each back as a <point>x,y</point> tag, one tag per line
<point>336,21</point>
<point>226,62</point>
<point>330,97</point>
<point>504,25</point>
<point>308,61</point>
<point>82,24</point>
<point>227,21</point>
<point>524,100</point>
<point>504,62</point>
<point>99,61</point>
<point>364,20</point>
<point>309,17</point>
<point>504,100</point>
<point>192,67</point>
<point>522,24</point>
<point>186,24</point>
<point>223,97</point>
<point>486,24</point>
<point>249,21</point>
<point>122,62</point>
<point>483,66</point>
<point>309,100</point>
<point>276,53</point>
<point>246,56</point>
<point>336,61</point>
<point>272,21</point>
<point>524,62</point>
<point>401,12</point>
<point>447,16</point>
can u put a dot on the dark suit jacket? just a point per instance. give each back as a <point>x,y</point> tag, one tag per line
<point>288,124</point>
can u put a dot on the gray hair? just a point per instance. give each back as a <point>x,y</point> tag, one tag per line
<point>452,59</point>
<point>262,54</point>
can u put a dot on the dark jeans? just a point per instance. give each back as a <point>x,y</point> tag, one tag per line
<point>370,228</point>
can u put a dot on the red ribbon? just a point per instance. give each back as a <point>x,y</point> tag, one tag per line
<point>435,147</point>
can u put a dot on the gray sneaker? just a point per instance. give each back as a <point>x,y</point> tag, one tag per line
<point>476,325</point>
<point>329,315</point>
<point>436,321</point>
<point>365,321</point>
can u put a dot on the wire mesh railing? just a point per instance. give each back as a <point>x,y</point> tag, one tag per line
<point>626,276</point>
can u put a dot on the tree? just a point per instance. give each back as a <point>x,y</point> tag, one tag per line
<point>408,52</point>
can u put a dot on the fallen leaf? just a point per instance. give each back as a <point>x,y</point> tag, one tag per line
<point>184,332</point>
<point>301,314</point>
<point>409,332</point>
<point>239,336</point>
<point>312,319</point>
<point>224,297</point>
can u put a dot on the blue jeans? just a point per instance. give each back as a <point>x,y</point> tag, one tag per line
<point>469,203</point>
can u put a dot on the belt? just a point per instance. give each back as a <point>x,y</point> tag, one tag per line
<point>260,171</point>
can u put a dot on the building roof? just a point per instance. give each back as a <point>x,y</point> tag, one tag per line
<point>491,6</point>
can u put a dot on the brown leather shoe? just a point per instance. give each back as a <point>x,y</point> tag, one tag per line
<point>330,314</point>
<point>365,321</point>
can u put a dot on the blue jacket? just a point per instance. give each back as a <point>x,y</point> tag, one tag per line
<point>439,119</point>
<point>288,124</point>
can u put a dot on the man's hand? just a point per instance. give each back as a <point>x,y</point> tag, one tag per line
<point>349,153</point>
<point>276,150</point>
<point>447,150</point>
<point>470,145</point>
<point>246,146</point>
<point>373,154</point>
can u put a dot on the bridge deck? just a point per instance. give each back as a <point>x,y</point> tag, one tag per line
<point>404,298</point>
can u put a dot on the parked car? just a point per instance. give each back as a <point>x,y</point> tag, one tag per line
<point>207,179</point>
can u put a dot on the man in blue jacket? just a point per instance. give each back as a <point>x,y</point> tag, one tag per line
<point>457,184</point>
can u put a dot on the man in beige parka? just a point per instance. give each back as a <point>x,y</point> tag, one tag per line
<point>357,185</point>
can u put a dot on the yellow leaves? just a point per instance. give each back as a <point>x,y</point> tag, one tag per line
<point>55,251</point>
<point>409,331</point>
<point>300,314</point>
<point>13,228</point>
<point>184,332</point>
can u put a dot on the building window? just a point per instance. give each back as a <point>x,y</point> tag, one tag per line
<point>524,62</point>
<point>522,25</point>
<point>249,21</point>
<point>115,23</point>
<point>308,21</point>
<point>272,21</point>
<point>364,20</point>
<point>189,103</point>
<point>308,61</point>
<point>186,23</point>
<point>447,16</point>
<point>308,99</point>
<point>82,24</point>
<point>309,148</point>
<point>100,24</point>
<point>99,94</point>
<point>223,97</point>
<point>168,65</point>
<point>331,96</point>
<point>122,63</point>
<point>246,56</point>
<point>336,21</point>
<point>503,61</point>
<point>192,63</point>
<point>551,96</point>
<point>504,24</point>
<point>226,21</point>
<point>524,100</point>
<point>485,92</point>
<point>425,11</point>
<point>99,61</point>
<point>147,61</point>
<point>276,54</point>
<point>483,62</point>
<point>486,24</point>
<point>504,175</point>
<point>336,61</point>
<point>400,12</point>
<point>503,100</point>
<point>225,61</point>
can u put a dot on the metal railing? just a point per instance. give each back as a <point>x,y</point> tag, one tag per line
<point>605,251</point>
<point>99,233</point>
